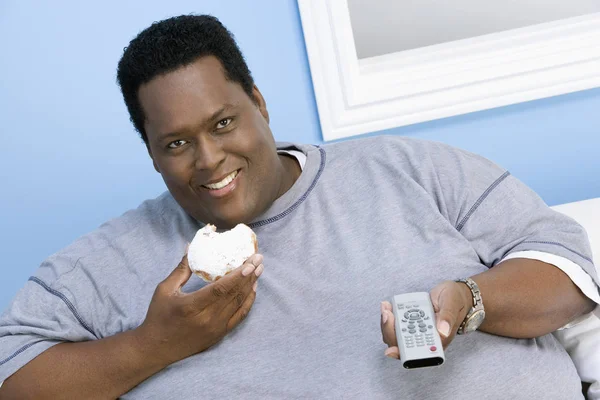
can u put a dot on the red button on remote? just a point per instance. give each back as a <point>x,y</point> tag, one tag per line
<point>433,348</point>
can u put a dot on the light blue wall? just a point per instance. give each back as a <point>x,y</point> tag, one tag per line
<point>70,160</point>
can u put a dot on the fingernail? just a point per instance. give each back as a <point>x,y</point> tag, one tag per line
<point>255,286</point>
<point>388,353</point>
<point>248,270</point>
<point>259,270</point>
<point>382,309</point>
<point>384,316</point>
<point>258,259</point>
<point>444,328</point>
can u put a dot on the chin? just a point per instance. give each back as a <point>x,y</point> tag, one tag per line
<point>229,221</point>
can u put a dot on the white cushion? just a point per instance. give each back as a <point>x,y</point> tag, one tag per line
<point>582,341</point>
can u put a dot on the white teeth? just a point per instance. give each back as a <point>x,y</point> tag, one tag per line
<point>224,182</point>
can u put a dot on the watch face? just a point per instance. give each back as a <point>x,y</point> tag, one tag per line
<point>474,321</point>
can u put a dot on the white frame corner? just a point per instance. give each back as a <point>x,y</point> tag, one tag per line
<point>360,96</point>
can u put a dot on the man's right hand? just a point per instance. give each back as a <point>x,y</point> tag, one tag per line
<point>180,324</point>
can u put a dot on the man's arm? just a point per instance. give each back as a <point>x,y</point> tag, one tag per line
<point>177,325</point>
<point>523,298</point>
<point>526,298</point>
<point>99,369</point>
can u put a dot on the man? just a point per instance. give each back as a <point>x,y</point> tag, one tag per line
<point>341,228</point>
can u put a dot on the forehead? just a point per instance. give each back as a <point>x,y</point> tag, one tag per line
<point>186,96</point>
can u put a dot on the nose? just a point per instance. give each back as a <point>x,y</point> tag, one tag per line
<point>209,154</point>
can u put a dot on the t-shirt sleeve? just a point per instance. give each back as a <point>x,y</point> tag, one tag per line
<point>497,213</point>
<point>509,217</point>
<point>38,318</point>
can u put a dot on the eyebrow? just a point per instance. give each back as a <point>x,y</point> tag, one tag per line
<point>208,121</point>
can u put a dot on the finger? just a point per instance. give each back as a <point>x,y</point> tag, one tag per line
<point>388,324</point>
<point>178,277</point>
<point>392,352</point>
<point>230,287</point>
<point>242,293</point>
<point>242,312</point>
<point>251,264</point>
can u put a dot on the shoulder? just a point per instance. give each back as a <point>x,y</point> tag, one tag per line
<point>396,145</point>
<point>137,231</point>
<point>412,155</point>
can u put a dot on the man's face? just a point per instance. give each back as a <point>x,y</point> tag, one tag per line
<point>211,143</point>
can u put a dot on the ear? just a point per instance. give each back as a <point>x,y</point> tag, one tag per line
<point>152,157</point>
<point>260,102</point>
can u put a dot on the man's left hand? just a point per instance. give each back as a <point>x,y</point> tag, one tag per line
<point>451,302</point>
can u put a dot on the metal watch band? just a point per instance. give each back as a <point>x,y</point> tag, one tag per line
<point>477,302</point>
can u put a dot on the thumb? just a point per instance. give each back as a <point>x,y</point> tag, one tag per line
<point>179,276</point>
<point>447,305</point>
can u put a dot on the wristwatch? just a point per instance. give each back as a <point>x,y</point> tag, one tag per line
<point>476,314</point>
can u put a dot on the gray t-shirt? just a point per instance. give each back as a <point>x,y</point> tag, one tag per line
<point>367,219</point>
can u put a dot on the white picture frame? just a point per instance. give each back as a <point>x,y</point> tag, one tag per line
<point>360,96</point>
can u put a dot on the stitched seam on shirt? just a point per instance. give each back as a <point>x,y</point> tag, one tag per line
<point>16,353</point>
<point>560,245</point>
<point>481,199</point>
<point>65,300</point>
<point>299,201</point>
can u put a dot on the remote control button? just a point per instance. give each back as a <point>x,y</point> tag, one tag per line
<point>433,348</point>
<point>403,329</point>
<point>411,325</point>
<point>413,316</point>
<point>420,321</point>
<point>423,329</point>
<point>422,325</point>
<point>404,320</point>
<point>422,313</point>
<point>411,331</point>
<point>406,314</point>
<point>426,318</point>
<point>430,326</point>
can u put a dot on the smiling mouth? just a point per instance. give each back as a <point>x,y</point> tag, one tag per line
<point>220,185</point>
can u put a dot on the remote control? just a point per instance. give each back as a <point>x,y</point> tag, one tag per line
<point>418,339</point>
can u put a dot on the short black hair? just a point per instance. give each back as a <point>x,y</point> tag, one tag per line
<point>173,43</point>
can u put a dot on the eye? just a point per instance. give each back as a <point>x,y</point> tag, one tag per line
<point>176,144</point>
<point>224,122</point>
